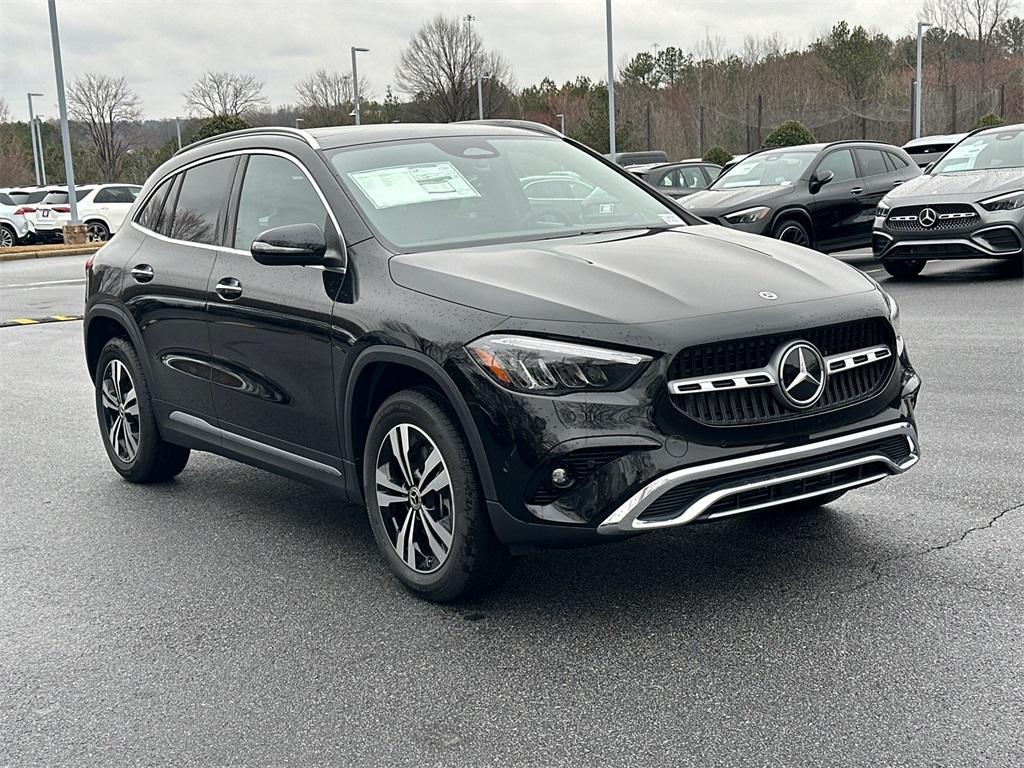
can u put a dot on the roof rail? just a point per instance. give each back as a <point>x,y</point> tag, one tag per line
<point>270,130</point>
<point>526,125</point>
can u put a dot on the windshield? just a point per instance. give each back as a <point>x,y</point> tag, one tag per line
<point>985,152</point>
<point>463,190</point>
<point>766,169</point>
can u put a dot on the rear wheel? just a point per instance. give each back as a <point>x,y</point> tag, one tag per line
<point>7,237</point>
<point>792,231</point>
<point>904,269</point>
<point>98,231</point>
<point>127,420</point>
<point>425,504</point>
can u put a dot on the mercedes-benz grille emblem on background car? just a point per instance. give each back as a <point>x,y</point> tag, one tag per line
<point>927,217</point>
<point>768,295</point>
<point>801,374</point>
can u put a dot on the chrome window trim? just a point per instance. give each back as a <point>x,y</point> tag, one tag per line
<point>741,379</point>
<point>624,518</point>
<point>235,153</point>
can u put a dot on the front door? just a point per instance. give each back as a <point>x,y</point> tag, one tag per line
<point>270,325</point>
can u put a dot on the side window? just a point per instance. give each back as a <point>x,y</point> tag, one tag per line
<point>149,216</point>
<point>668,180</point>
<point>197,212</point>
<point>871,162</point>
<point>275,193</point>
<point>897,161</point>
<point>840,163</point>
<point>108,195</point>
<point>692,178</point>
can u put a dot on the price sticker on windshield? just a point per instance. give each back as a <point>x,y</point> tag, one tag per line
<point>413,184</point>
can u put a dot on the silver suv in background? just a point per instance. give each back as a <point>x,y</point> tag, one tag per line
<point>970,205</point>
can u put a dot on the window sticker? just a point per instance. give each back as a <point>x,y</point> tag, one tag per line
<point>412,184</point>
<point>670,218</point>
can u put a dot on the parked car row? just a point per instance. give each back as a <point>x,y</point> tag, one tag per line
<point>38,214</point>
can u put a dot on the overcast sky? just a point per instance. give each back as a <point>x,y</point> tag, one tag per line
<point>162,47</point>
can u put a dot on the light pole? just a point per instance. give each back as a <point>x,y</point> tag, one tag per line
<point>42,155</point>
<point>177,130</point>
<point>355,81</point>
<point>480,92</point>
<point>611,81</point>
<point>561,119</point>
<point>58,67</point>
<point>917,85</point>
<point>298,122</point>
<point>32,135</point>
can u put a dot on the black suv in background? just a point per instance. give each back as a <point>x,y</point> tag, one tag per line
<point>970,205</point>
<point>385,312</point>
<point>821,196</point>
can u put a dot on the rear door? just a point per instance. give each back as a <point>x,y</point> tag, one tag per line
<point>273,380</point>
<point>167,281</point>
<point>113,204</point>
<point>836,207</point>
<point>878,179</point>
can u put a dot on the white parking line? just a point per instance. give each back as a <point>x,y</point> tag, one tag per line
<point>48,282</point>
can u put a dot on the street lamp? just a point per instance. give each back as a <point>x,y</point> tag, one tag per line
<point>177,129</point>
<point>562,121</point>
<point>355,81</point>
<point>917,85</point>
<point>58,67</point>
<point>36,149</point>
<point>480,92</point>
<point>42,155</point>
<point>611,80</point>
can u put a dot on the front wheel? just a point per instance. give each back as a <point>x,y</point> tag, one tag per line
<point>127,421</point>
<point>425,504</point>
<point>792,231</point>
<point>904,269</point>
<point>98,232</point>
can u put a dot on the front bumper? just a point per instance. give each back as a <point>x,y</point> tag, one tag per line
<point>990,236</point>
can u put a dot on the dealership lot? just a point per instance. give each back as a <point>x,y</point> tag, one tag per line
<point>234,617</point>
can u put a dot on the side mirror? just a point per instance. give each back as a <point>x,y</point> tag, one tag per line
<point>817,182</point>
<point>293,245</point>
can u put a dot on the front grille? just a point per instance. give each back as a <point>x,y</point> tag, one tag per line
<point>758,405</point>
<point>1002,239</point>
<point>674,501</point>
<point>962,217</point>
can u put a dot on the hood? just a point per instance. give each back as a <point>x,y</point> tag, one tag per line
<point>960,187</point>
<point>640,276</point>
<point>715,202</point>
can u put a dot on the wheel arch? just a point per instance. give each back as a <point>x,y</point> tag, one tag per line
<point>799,214</point>
<point>104,322</point>
<point>374,376</point>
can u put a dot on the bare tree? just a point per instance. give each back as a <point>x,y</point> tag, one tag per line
<point>977,20</point>
<point>440,66</point>
<point>326,98</point>
<point>225,93</point>
<point>107,108</point>
<point>5,111</point>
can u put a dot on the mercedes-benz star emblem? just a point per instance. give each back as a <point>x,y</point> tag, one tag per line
<point>927,217</point>
<point>801,374</point>
<point>768,295</point>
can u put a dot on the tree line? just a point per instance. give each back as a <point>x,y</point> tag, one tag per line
<point>850,82</point>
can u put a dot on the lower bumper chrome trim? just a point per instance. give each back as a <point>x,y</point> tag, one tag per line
<point>626,518</point>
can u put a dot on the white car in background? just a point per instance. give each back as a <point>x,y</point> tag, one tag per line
<point>14,225</point>
<point>102,208</point>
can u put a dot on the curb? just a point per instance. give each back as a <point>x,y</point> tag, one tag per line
<point>17,254</point>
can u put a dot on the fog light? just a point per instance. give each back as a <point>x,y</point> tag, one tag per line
<point>560,478</point>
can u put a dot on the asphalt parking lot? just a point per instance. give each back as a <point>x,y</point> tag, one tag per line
<point>236,618</point>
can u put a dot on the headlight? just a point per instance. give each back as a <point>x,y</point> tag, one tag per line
<point>882,209</point>
<point>545,367</point>
<point>748,216</point>
<point>1008,202</point>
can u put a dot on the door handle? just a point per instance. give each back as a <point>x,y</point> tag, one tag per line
<point>857,191</point>
<point>229,288</point>
<point>896,184</point>
<point>142,273</point>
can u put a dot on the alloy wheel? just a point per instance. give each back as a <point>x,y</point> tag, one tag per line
<point>120,410</point>
<point>415,497</point>
<point>794,234</point>
<point>6,238</point>
<point>97,233</point>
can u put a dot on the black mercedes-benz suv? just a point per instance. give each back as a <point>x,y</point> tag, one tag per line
<point>383,311</point>
<point>822,196</point>
<point>970,205</point>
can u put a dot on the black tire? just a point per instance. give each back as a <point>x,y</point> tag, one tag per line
<point>153,460</point>
<point>8,237</point>
<point>98,231</point>
<point>475,561</point>
<point>904,269</point>
<point>792,231</point>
